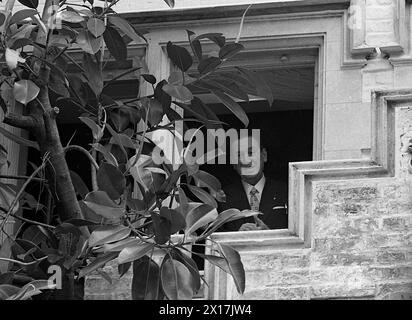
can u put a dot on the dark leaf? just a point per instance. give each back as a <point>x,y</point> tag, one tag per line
<point>123,268</point>
<point>262,87</point>
<point>199,217</point>
<point>217,38</point>
<point>108,234</point>
<point>229,50</point>
<point>203,196</point>
<point>6,278</point>
<point>127,28</point>
<point>115,43</point>
<point>146,279</point>
<point>190,265</point>
<point>162,227</point>
<point>78,184</point>
<point>179,92</point>
<point>93,74</point>
<point>179,56</point>
<point>177,222</point>
<point>30,3</point>
<point>96,26</point>
<point>170,3</point>
<point>135,252</point>
<point>233,106</point>
<point>195,45</point>
<point>21,15</point>
<point>208,64</point>
<point>149,78</point>
<point>96,130</point>
<point>162,96</point>
<point>111,180</point>
<point>235,266</point>
<point>89,43</point>
<point>177,281</point>
<point>100,203</point>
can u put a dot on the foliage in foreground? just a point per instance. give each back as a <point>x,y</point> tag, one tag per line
<point>145,216</point>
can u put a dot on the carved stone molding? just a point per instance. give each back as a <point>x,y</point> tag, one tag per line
<point>356,36</point>
<point>385,150</point>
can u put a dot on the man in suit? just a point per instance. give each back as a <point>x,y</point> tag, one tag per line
<point>255,191</point>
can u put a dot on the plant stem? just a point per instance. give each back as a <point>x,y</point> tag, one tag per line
<point>16,199</point>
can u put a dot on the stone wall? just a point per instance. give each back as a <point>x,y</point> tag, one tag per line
<point>361,247</point>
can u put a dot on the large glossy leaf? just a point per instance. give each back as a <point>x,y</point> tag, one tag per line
<point>96,130</point>
<point>235,266</point>
<point>162,228</point>
<point>100,203</point>
<point>30,3</point>
<point>111,180</point>
<point>108,156</point>
<point>228,87</point>
<point>203,196</point>
<point>97,263</point>
<point>126,27</point>
<point>93,74</point>
<point>21,15</point>
<point>190,265</point>
<point>108,234</point>
<point>115,43</point>
<point>146,279</point>
<point>179,92</point>
<point>88,42</point>
<point>25,91</point>
<point>134,252</point>
<point>227,216</point>
<point>78,184</point>
<point>179,56</point>
<point>119,245</point>
<point>204,179</point>
<point>229,50</point>
<point>208,64</point>
<point>177,222</point>
<point>96,26</point>
<point>200,217</point>
<point>71,16</point>
<point>177,281</point>
<point>139,172</point>
<point>233,106</point>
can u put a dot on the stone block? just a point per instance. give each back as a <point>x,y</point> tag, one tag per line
<point>337,290</point>
<point>293,293</point>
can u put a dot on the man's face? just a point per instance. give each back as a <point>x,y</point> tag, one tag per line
<point>251,158</point>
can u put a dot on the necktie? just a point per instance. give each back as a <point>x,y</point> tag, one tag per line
<point>254,201</point>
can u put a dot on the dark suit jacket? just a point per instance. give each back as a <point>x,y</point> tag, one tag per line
<point>273,200</point>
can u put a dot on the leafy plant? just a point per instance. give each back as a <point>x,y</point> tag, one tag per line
<point>137,209</point>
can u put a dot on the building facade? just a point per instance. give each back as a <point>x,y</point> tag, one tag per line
<point>350,205</point>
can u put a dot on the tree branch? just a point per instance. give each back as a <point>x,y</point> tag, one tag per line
<point>84,151</point>
<point>19,121</point>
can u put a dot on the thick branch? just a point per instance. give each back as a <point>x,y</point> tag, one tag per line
<point>19,121</point>
<point>84,151</point>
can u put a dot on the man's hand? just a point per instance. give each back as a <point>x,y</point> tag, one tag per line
<point>259,225</point>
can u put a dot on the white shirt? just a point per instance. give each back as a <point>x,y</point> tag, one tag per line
<point>258,186</point>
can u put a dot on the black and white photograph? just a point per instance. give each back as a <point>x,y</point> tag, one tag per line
<point>223,153</point>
